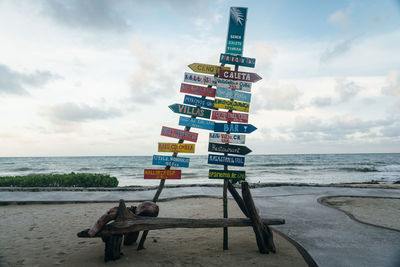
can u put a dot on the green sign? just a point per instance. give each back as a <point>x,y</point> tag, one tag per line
<point>237,25</point>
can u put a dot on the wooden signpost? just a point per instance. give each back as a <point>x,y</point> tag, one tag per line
<point>230,116</point>
<point>206,68</point>
<point>199,79</point>
<point>227,138</point>
<point>179,134</point>
<point>196,123</point>
<point>197,90</point>
<point>234,128</point>
<point>171,161</point>
<point>178,148</point>
<point>233,94</point>
<point>222,174</point>
<point>239,76</point>
<point>225,160</point>
<point>237,60</point>
<point>189,110</point>
<point>234,85</point>
<point>198,101</point>
<point>227,148</point>
<point>232,105</point>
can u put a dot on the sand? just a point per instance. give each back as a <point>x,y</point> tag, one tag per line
<point>377,211</point>
<point>45,235</point>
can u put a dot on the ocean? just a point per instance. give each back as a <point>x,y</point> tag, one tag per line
<point>298,168</point>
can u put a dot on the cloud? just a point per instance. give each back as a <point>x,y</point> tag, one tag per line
<point>341,18</point>
<point>89,14</point>
<point>283,97</point>
<point>71,112</point>
<point>13,82</point>
<point>393,88</point>
<point>337,50</point>
<point>345,91</point>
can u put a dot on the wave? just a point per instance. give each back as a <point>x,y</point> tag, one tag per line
<point>22,169</point>
<point>279,164</point>
<point>359,169</point>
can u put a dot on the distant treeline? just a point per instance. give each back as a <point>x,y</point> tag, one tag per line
<point>60,180</point>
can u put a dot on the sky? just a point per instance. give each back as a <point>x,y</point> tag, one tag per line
<point>96,77</point>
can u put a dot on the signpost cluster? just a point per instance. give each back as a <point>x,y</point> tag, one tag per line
<point>216,99</point>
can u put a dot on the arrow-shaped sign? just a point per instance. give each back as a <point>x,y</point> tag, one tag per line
<point>239,76</point>
<point>229,116</point>
<point>196,123</point>
<point>228,104</point>
<point>198,101</point>
<point>192,111</point>
<point>170,161</point>
<point>234,128</point>
<point>220,174</point>
<point>179,134</point>
<point>162,174</point>
<point>197,90</point>
<point>226,160</point>
<point>233,94</point>
<point>199,79</point>
<point>173,147</point>
<point>234,85</point>
<point>206,68</point>
<point>237,60</point>
<point>227,138</point>
<point>230,149</point>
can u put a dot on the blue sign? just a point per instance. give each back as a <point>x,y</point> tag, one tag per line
<point>234,128</point>
<point>196,123</point>
<point>198,102</point>
<point>171,161</point>
<point>233,94</point>
<point>237,25</point>
<point>226,160</point>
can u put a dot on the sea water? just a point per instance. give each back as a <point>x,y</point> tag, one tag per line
<point>304,168</point>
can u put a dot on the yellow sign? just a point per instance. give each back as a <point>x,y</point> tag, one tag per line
<point>174,147</point>
<point>205,68</point>
<point>229,104</point>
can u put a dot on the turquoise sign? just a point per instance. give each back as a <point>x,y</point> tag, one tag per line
<point>237,25</point>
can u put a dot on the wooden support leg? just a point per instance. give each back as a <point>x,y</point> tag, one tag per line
<point>263,234</point>
<point>130,238</point>
<point>112,249</point>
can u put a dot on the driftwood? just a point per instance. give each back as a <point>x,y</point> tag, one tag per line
<point>103,220</point>
<point>263,234</point>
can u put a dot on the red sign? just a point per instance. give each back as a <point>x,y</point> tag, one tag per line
<point>197,90</point>
<point>239,76</point>
<point>229,116</point>
<point>180,134</point>
<point>162,174</point>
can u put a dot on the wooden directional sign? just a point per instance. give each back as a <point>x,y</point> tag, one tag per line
<point>227,138</point>
<point>197,90</point>
<point>179,134</point>
<point>229,116</point>
<point>220,174</point>
<point>239,76</point>
<point>230,149</point>
<point>234,128</point>
<point>171,161</point>
<point>196,123</point>
<point>199,79</point>
<point>233,94</point>
<point>162,174</point>
<point>173,147</point>
<point>226,160</point>
<point>206,68</point>
<point>189,110</point>
<point>234,85</point>
<point>234,105</point>
<point>198,101</point>
<point>237,60</point>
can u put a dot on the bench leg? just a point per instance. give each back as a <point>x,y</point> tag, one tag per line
<point>112,249</point>
<point>130,238</point>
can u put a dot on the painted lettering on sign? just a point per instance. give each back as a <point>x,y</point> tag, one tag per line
<point>233,105</point>
<point>234,128</point>
<point>233,94</point>
<point>220,174</point>
<point>179,134</point>
<point>227,138</point>
<point>197,90</point>
<point>199,79</point>
<point>226,160</point>
<point>196,123</point>
<point>162,174</point>
<point>172,147</point>
<point>239,75</point>
<point>198,101</point>
<point>227,148</point>
<point>236,28</point>
<point>170,161</point>
<point>234,85</point>
<point>229,116</point>
<point>237,60</point>
<point>189,110</point>
<point>206,68</point>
